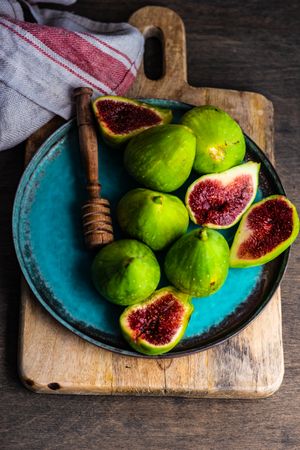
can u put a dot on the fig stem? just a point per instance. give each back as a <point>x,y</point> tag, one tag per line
<point>203,234</point>
<point>128,261</point>
<point>157,199</point>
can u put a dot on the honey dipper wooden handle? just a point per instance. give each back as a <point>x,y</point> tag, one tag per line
<point>88,140</point>
<point>97,223</point>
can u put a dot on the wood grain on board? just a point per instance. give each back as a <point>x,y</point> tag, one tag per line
<point>250,365</point>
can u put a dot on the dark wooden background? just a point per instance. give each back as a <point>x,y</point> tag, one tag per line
<point>253,46</point>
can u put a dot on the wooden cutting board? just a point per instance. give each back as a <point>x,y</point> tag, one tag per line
<point>250,365</point>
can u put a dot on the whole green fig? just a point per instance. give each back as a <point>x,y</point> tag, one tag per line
<point>198,262</point>
<point>125,272</point>
<point>152,217</point>
<point>220,140</point>
<point>161,158</point>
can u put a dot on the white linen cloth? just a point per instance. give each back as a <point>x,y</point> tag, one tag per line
<point>41,63</point>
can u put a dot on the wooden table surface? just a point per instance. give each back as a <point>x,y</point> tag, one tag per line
<point>251,46</point>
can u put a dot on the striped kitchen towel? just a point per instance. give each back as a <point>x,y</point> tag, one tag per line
<point>41,63</point>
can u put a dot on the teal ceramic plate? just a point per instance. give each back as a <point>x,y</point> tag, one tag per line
<point>49,245</point>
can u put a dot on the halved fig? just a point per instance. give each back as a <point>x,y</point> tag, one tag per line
<point>266,230</point>
<point>120,118</point>
<point>219,200</point>
<point>156,325</point>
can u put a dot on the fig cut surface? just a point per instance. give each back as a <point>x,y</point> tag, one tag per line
<point>156,325</point>
<point>266,230</point>
<point>121,118</point>
<point>219,200</point>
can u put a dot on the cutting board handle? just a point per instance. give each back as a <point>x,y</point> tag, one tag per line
<point>156,21</point>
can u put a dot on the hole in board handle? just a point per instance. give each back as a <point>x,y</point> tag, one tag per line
<point>154,54</point>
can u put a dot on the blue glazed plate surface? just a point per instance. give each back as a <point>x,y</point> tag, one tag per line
<point>49,244</point>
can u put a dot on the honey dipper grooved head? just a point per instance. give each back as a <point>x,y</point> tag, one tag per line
<point>97,224</point>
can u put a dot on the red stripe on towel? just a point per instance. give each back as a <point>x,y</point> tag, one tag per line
<point>53,59</point>
<point>81,53</point>
<point>111,48</point>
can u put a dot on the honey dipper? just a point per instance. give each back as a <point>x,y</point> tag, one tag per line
<point>97,223</point>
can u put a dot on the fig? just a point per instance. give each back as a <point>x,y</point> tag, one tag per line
<point>152,217</point>
<point>121,118</point>
<point>161,158</point>
<point>156,325</point>
<point>220,140</point>
<point>198,262</point>
<point>267,229</point>
<point>219,200</point>
<point>125,272</point>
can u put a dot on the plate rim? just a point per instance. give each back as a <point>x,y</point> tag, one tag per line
<point>41,153</point>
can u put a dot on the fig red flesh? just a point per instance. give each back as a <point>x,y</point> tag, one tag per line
<point>267,229</point>
<point>159,322</point>
<point>271,223</point>
<point>211,203</point>
<point>122,118</point>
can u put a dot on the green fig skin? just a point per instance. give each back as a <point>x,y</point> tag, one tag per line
<point>117,140</point>
<point>220,140</point>
<point>125,272</point>
<point>142,345</point>
<point>242,233</point>
<point>152,217</point>
<point>198,262</point>
<point>161,158</point>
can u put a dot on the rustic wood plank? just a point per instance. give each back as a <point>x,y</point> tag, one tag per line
<point>250,365</point>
